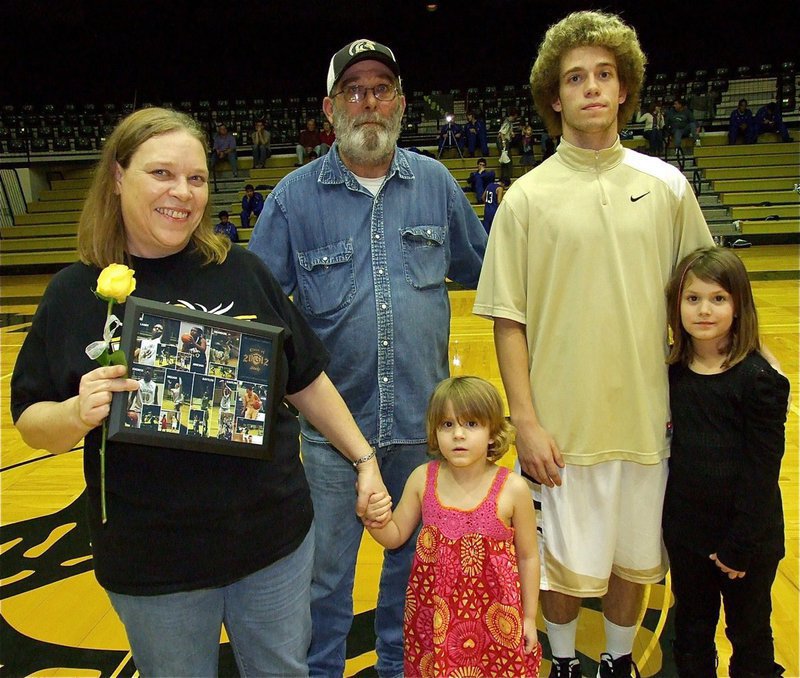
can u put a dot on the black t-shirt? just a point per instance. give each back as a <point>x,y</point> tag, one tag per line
<point>722,494</point>
<point>179,520</point>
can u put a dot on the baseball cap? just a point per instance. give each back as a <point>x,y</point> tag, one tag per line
<point>356,51</point>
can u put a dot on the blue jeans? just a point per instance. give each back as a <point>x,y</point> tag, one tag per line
<point>678,134</point>
<point>259,155</point>
<point>213,159</point>
<point>266,615</point>
<point>338,537</point>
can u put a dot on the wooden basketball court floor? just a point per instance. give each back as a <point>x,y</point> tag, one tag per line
<point>56,621</point>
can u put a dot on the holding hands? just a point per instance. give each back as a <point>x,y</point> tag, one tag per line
<point>379,510</point>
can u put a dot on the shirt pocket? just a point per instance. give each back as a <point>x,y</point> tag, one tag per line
<point>327,278</point>
<point>424,260</point>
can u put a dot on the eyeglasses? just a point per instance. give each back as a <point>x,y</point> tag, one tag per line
<point>357,93</point>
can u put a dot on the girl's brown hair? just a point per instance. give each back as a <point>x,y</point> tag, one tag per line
<point>723,267</point>
<point>472,399</point>
<point>101,230</point>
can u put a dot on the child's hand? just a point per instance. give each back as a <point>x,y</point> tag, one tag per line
<point>529,634</point>
<point>379,510</point>
<point>732,574</point>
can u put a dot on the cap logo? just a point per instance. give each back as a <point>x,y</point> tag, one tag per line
<point>361,46</point>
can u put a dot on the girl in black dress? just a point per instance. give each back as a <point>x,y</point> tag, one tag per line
<point>723,518</point>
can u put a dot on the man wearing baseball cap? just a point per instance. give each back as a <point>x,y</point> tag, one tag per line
<point>364,238</point>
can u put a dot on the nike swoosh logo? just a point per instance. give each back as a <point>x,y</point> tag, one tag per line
<point>639,197</point>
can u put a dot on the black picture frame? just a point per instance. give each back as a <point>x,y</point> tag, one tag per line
<point>198,375</point>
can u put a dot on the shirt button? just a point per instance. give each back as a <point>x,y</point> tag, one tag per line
<point>385,379</point>
<point>324,258</point>
<point>380,271</point>
<point>377,236</point>
<point>383,307</point>
<point>428,231</point>
<point>385,343</point>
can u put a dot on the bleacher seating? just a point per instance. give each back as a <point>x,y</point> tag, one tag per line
<point>745,190</point>
<point>749,192</point>
<point>85,125</point>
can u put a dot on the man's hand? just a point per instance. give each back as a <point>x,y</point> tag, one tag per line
<point>539,455</point>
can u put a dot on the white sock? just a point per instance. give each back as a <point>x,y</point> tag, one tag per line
<point>562,638</point>
<point>619,639</point>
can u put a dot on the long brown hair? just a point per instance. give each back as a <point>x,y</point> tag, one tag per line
<point>101,231</point>
<point>472,398</point>
<point>724,268</point>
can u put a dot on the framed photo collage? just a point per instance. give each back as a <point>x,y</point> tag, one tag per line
<point>206,382</point>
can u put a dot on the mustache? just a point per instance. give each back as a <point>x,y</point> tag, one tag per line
<point>365,118</point>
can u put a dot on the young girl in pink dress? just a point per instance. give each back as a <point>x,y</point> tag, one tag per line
<point>474,585</point>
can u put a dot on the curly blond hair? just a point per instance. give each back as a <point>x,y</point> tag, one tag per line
<point>587,29</point>
<point>472,398</point>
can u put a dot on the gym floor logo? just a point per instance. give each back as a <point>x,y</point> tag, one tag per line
<point>50,603</point>
<point>56,619</point>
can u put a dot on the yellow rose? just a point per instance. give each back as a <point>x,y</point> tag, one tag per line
<point>116,282</point>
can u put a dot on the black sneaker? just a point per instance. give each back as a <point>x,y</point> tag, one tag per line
<point>565,667</point>
<point>617,668</point>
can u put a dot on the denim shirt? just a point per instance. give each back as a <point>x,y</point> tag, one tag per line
<point>368,273</point>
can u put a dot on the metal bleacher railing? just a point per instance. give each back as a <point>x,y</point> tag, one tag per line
<point>12,197</point>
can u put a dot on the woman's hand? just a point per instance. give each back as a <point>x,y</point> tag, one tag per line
<point>369,483</point>
<point>96,390</point>
<point>57,426</point>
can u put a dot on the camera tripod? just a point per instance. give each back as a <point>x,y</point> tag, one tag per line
<point>450,141</point>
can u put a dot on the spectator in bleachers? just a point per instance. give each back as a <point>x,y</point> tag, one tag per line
<point>769,119</point>
<point>480,179</point>
<point>504,137</point>
<point>307,142</point>
<point>512,131</point>
<point>252,203</point>
<point>527,146</point>
<point>260,137</point>
<point>451,135</point>
<point>224,148</point>
<point>326,137</point>
<point>475,133</point>
<point>491,199</point>
<point>653,132</point>
<point>702,107</point>
<point>680,121</point>
<point>741,124</point>
<point>226,227</point>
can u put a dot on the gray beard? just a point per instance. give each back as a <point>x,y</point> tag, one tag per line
<point>367,144</point>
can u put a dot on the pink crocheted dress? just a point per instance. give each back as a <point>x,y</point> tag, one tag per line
<point>463,614</point>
